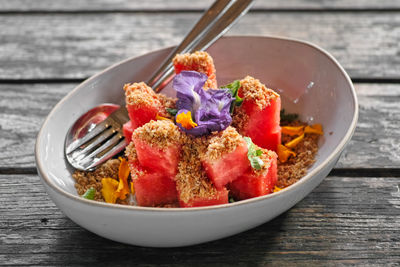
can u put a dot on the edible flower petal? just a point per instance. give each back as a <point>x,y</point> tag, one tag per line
<point>158,117</point>
<point>277,189</point>
<point>284,153</point>
<point>110,185</point>
<point>123,174</point>
<point>185,120</point>
<point>295,142</point>
<point>314,129</point>
<point>292,130</point>
<point>209,109</point>
<point>188,86</point>
<point>132,188</point>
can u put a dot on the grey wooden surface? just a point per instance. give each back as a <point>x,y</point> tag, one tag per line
<point>353,218</point>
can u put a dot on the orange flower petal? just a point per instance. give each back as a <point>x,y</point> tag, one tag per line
<point>123,174</point>
<point>132,188</point>
<point>294,142</point>
<point>284,153</point>
<point>277,189</point>
<point>158,117</point>
<point>110,185</point>
<point>292,130</point>
<point>314,129</point>
<point>185,119</point>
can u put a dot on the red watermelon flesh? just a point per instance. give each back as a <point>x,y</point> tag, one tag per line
<point>221,197</point>
<point>151,188</point>
<point>262,126</point>
<point>164,161</point>
<point>155,189</point>
<point>227,168</point>
<point>127,130</point>
<point>142,104</point>
<point>253,184</point>
<point>141,115</point>
<point>199,61</point>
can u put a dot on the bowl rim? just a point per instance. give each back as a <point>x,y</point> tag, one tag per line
<point>315,171</point>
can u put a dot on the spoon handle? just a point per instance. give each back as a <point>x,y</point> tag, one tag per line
<point>218,19</point>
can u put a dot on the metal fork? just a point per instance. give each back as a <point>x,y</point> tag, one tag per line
<point>106,139</point>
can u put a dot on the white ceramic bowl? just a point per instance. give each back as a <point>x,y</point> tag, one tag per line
<point>311,83</point>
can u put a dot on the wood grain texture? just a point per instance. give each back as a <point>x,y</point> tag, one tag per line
<point>64,46</point>
<point>343,221</point>
<point>374,144</point>
<point>136,5</point>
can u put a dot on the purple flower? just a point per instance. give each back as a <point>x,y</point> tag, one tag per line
<point>210,109</point>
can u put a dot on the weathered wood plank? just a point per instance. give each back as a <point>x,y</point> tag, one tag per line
<point>374,145</point>
<point>51,46</point>
<point>375,142</point>
<point>135,5</point>
<point>343,221</point>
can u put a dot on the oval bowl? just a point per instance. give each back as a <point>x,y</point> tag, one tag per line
<point>311,83</point>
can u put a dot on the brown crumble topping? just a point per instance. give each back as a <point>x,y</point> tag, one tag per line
<point>192,180</point>
<point>160,133</point>
<point>167,102</point>
<point>199,61</point>
<point>131,154</point>
<point>86,179</point>
<point>202,60</point>
<point>139,94</point>
<point>253,89</point>
<point>296,167</point>
<point>222,143</point>
<point>239,119</point>
<point>266,157</point>
<point>211,83</point>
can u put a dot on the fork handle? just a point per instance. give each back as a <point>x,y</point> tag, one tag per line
<point>217,8</point>
<point>216,21</point>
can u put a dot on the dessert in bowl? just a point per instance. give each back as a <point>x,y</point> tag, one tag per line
<point>310,83</point>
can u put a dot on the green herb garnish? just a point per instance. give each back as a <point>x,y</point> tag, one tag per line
<point>253,154</point>
<point>89,194</point>
<point>288,117</point>
<point>172,111</point>
<point>234,89</point>
<point>231,200</point>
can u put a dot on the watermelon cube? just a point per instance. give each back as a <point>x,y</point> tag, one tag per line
<point>226,157</point>
<point>199,61</point>
<point>254,183</point>
<point>194,187</point>
<point>154,189</point>
<point>127,130</point>
<point>158,146</point>
<point>259,115</point>
<point>151,188</point>
<point>219,197</point>
<point>142,104</point>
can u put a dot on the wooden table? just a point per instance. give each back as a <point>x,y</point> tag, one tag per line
<point>47,47</point>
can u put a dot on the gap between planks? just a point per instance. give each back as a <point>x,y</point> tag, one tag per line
<point>343,172</point>
<point>388,80</point>
<point>199,10</point>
